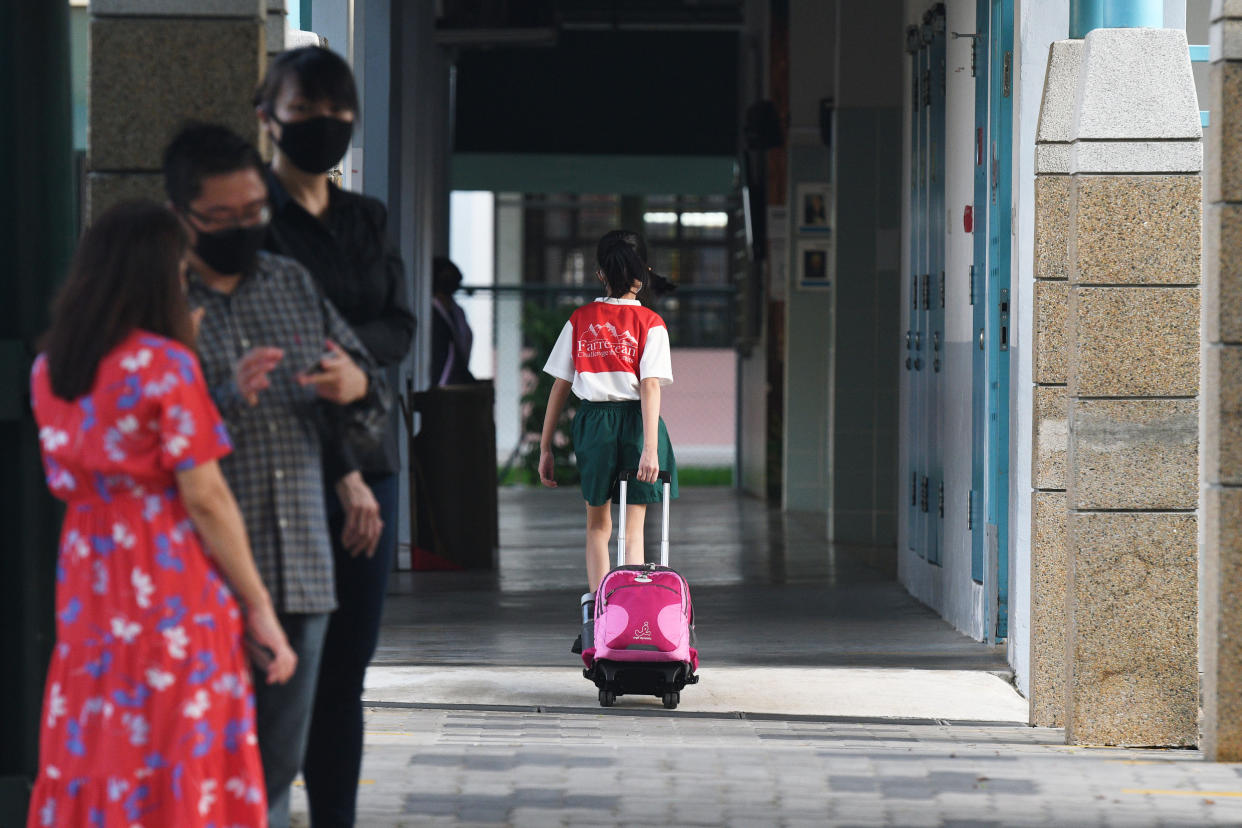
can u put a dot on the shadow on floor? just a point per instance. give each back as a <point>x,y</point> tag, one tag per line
<point>768,591</point>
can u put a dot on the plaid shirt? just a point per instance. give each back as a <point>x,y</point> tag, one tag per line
<point>275,468</point>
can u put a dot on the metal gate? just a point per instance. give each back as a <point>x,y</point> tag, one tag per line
<point>925,341</point>
<point>990,294</point>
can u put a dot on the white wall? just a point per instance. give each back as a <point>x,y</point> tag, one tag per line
<point>1038,23</point>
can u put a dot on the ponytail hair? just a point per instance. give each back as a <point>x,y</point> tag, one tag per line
<point>622,258</point>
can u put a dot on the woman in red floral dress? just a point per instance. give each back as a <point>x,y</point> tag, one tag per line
<point>148,715</point>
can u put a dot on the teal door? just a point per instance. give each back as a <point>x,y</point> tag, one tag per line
<point>925,342</point>
<point>991,297</point>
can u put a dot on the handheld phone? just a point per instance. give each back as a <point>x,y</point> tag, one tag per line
<point>261,655</point>
<point>316,367</point>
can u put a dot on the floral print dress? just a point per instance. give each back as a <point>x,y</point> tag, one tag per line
<point>148,714</point>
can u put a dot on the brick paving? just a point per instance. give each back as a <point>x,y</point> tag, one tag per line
<point>531,769</point>
<point>769,593</point>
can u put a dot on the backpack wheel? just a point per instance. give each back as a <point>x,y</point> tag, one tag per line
<point>607,698</point>
<point>671,700</point>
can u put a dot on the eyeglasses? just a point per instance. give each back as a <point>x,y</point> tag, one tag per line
<point>222,219</point>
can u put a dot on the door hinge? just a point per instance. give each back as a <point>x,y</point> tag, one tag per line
<point>970,511</point>
<point>914,488</point>
<point>927,291</point>
<point>1007,74</point>
<point>914,293</point>
<point>923,495</point>
<point>972,284</point>
<point>942,288</point>
<point>1004,319</point>
<point>940,499</point>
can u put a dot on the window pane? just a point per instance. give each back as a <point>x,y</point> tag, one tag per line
<point>659,224</point>
<point>712,266</point>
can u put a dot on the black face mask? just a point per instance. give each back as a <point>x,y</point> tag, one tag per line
<point>316,144</point>
<point>231,251</point>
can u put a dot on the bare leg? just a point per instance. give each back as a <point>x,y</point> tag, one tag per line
<point>598,533</point>
<point>634,515</point>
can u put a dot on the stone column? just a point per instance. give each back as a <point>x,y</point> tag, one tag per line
<point>1133,335</point>
<point>1052,187</point>
<point>276,26</point>
<point>1222,395</point>
<point>156,64</point>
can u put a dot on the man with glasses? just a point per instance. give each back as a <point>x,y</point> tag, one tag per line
<point>282,365</point>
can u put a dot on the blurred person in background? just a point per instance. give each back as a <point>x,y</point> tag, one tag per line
<point>292,381</point>
<point>148,714</point>
<point>308,104</point>
<point>451,337</point>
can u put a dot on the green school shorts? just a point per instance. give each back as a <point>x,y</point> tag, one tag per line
<point>608,437</point>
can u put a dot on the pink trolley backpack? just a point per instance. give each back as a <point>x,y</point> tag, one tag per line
<point>641,640</point>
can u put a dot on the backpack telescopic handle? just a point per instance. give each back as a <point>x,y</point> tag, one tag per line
<point>624,477</point>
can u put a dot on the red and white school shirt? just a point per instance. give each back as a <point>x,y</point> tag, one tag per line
<point>606,347</point>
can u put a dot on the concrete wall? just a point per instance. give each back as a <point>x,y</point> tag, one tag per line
<point>841,403</point>
<point>809,319</point>
<point>867,146</point>
<point>752,365</point>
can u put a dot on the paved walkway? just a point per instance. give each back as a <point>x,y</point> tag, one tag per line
<point>829,697</point>
<point>505,768</point>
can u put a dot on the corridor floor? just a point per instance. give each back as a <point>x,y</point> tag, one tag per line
<point>786,622</point>
<point>478,716</point>
<point>767,591</point>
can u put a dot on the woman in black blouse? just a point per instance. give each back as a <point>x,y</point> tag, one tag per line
<point>307,104</point>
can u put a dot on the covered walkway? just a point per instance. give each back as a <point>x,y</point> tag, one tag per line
<point>787,623</point>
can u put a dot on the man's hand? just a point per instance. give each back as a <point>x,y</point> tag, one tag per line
<point>339,379</point>
<point>252,370</point>
<point>362,515</point>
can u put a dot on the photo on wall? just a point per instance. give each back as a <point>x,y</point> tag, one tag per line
<point>814,208</point>
<point>814,263</point>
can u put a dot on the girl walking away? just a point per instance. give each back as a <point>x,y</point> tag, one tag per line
<point>613,354</point>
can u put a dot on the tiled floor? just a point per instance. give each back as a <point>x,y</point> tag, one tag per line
<point>767,591</point>
<point>489,768</point>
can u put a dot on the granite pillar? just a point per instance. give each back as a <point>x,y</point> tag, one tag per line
<point>1132,371</point>
<point>156,64</point>
<point>1050,374</point>
<point>1221,555</point>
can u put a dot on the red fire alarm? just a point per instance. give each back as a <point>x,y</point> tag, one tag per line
<point>968,219</point>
